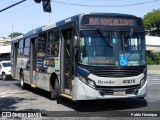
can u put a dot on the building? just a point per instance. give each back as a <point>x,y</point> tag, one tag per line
<point>5,48</point>
<point>5,41</point>
<point>152,43</point>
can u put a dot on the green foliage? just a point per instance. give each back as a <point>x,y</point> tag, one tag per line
<point>150,61</point>
<point>15,34</point>
<point>155,60</point>
<point>152,19</point>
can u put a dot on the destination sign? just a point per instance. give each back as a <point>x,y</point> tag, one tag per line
<point>109,21</point>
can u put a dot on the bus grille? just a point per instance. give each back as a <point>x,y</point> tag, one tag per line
<point>115,73</point>
<point>110,91</point>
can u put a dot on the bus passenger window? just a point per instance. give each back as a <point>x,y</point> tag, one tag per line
<point>42,44</point>
<point>20,48</point>
<point>53,43</point>
<point>26,47</point>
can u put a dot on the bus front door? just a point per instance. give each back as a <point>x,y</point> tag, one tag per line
<point>67,61</point>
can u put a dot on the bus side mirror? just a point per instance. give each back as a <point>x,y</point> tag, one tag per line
<point>75,41</point>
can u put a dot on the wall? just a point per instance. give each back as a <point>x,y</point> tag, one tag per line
<point>153,69</point>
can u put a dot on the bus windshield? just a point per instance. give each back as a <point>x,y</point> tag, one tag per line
<point>132,46</point>
<point>95,50</point>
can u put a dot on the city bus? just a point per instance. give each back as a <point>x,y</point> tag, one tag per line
<point>85,57</point>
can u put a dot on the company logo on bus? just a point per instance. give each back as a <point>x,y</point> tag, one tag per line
<point>106,82</point>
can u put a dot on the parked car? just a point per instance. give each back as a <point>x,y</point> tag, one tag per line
<point>5,69</point>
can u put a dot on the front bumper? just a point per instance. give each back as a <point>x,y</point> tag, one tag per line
<point>83,92</point>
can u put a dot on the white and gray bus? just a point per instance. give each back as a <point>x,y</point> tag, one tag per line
<point>84,57</point>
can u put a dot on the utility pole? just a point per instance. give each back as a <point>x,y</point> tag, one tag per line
<point>12,5</point>
<point>12,31</point>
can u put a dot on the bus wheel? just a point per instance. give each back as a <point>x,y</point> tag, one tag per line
<point>22,84</point>
<point>141,98</point>
<point>55,91</point>
<point>4,77</point>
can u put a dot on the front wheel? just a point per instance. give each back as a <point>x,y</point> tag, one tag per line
<point>4,77</point>
<point>142,98</point>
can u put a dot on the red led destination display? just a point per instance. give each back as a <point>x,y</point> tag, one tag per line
<point>111,22</point>
<point>108,21</point>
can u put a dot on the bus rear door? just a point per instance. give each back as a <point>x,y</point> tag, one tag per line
<point>14,59</point>
<point>32,62</point>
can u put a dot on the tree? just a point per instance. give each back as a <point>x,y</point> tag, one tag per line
<point>156,58</point>
<point>152,20</point>
<point>150,61</point>
<point>15,34</point>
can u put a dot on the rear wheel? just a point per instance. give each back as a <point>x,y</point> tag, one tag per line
<point>22,84</point>
<point>4,77</point>
<point>55,90</point>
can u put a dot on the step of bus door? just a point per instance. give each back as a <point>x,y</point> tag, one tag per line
<point>33,85</point>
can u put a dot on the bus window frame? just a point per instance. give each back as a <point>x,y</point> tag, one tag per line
<point>20,48</point>
<point>28,47</point>
<point>53,43</point>
<point>43,54</point>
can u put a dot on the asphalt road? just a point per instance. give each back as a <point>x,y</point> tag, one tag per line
<point>13,98</point>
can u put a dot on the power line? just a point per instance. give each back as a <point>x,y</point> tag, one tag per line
<point>85,5</point>
<point>12,5</point>
<point>17,10</point>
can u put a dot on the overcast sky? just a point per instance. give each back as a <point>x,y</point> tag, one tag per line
<point>29,15</point>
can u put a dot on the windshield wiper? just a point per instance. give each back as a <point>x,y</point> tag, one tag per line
<point>131,33</point>
<point>123,42</point>
<point>104,36</point>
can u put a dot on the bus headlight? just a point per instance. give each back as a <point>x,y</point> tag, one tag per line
<point>87,81</point>
<point>142,82</point>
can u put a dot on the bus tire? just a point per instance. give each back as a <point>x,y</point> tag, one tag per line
<point>142,98</point>
<point>4,76</point>
<point>55,90</point>
<point>22,84</point>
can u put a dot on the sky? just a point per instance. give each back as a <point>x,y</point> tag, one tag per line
<point>29,15</point>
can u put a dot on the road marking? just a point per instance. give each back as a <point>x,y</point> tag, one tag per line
<point>3,96</point>
<point>154,81</point>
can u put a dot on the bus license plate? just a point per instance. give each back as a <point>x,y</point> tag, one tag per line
<point>119,93</point>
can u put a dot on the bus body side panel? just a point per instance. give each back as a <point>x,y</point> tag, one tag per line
<point>26,76</point>
<point>43,81</point>
<point>19,66</point>
<point>43,78</point>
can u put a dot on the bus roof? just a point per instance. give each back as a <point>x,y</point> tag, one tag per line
<point>34,31</point>
<point>76,17</point>
<point>62,22</point>
<point>17,38</point>
<point>70,19</point>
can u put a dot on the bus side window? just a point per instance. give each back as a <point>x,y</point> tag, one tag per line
<point>26,47</point>
<point>20,48</point>
<point>42,44</point>
<point>53,43</point>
